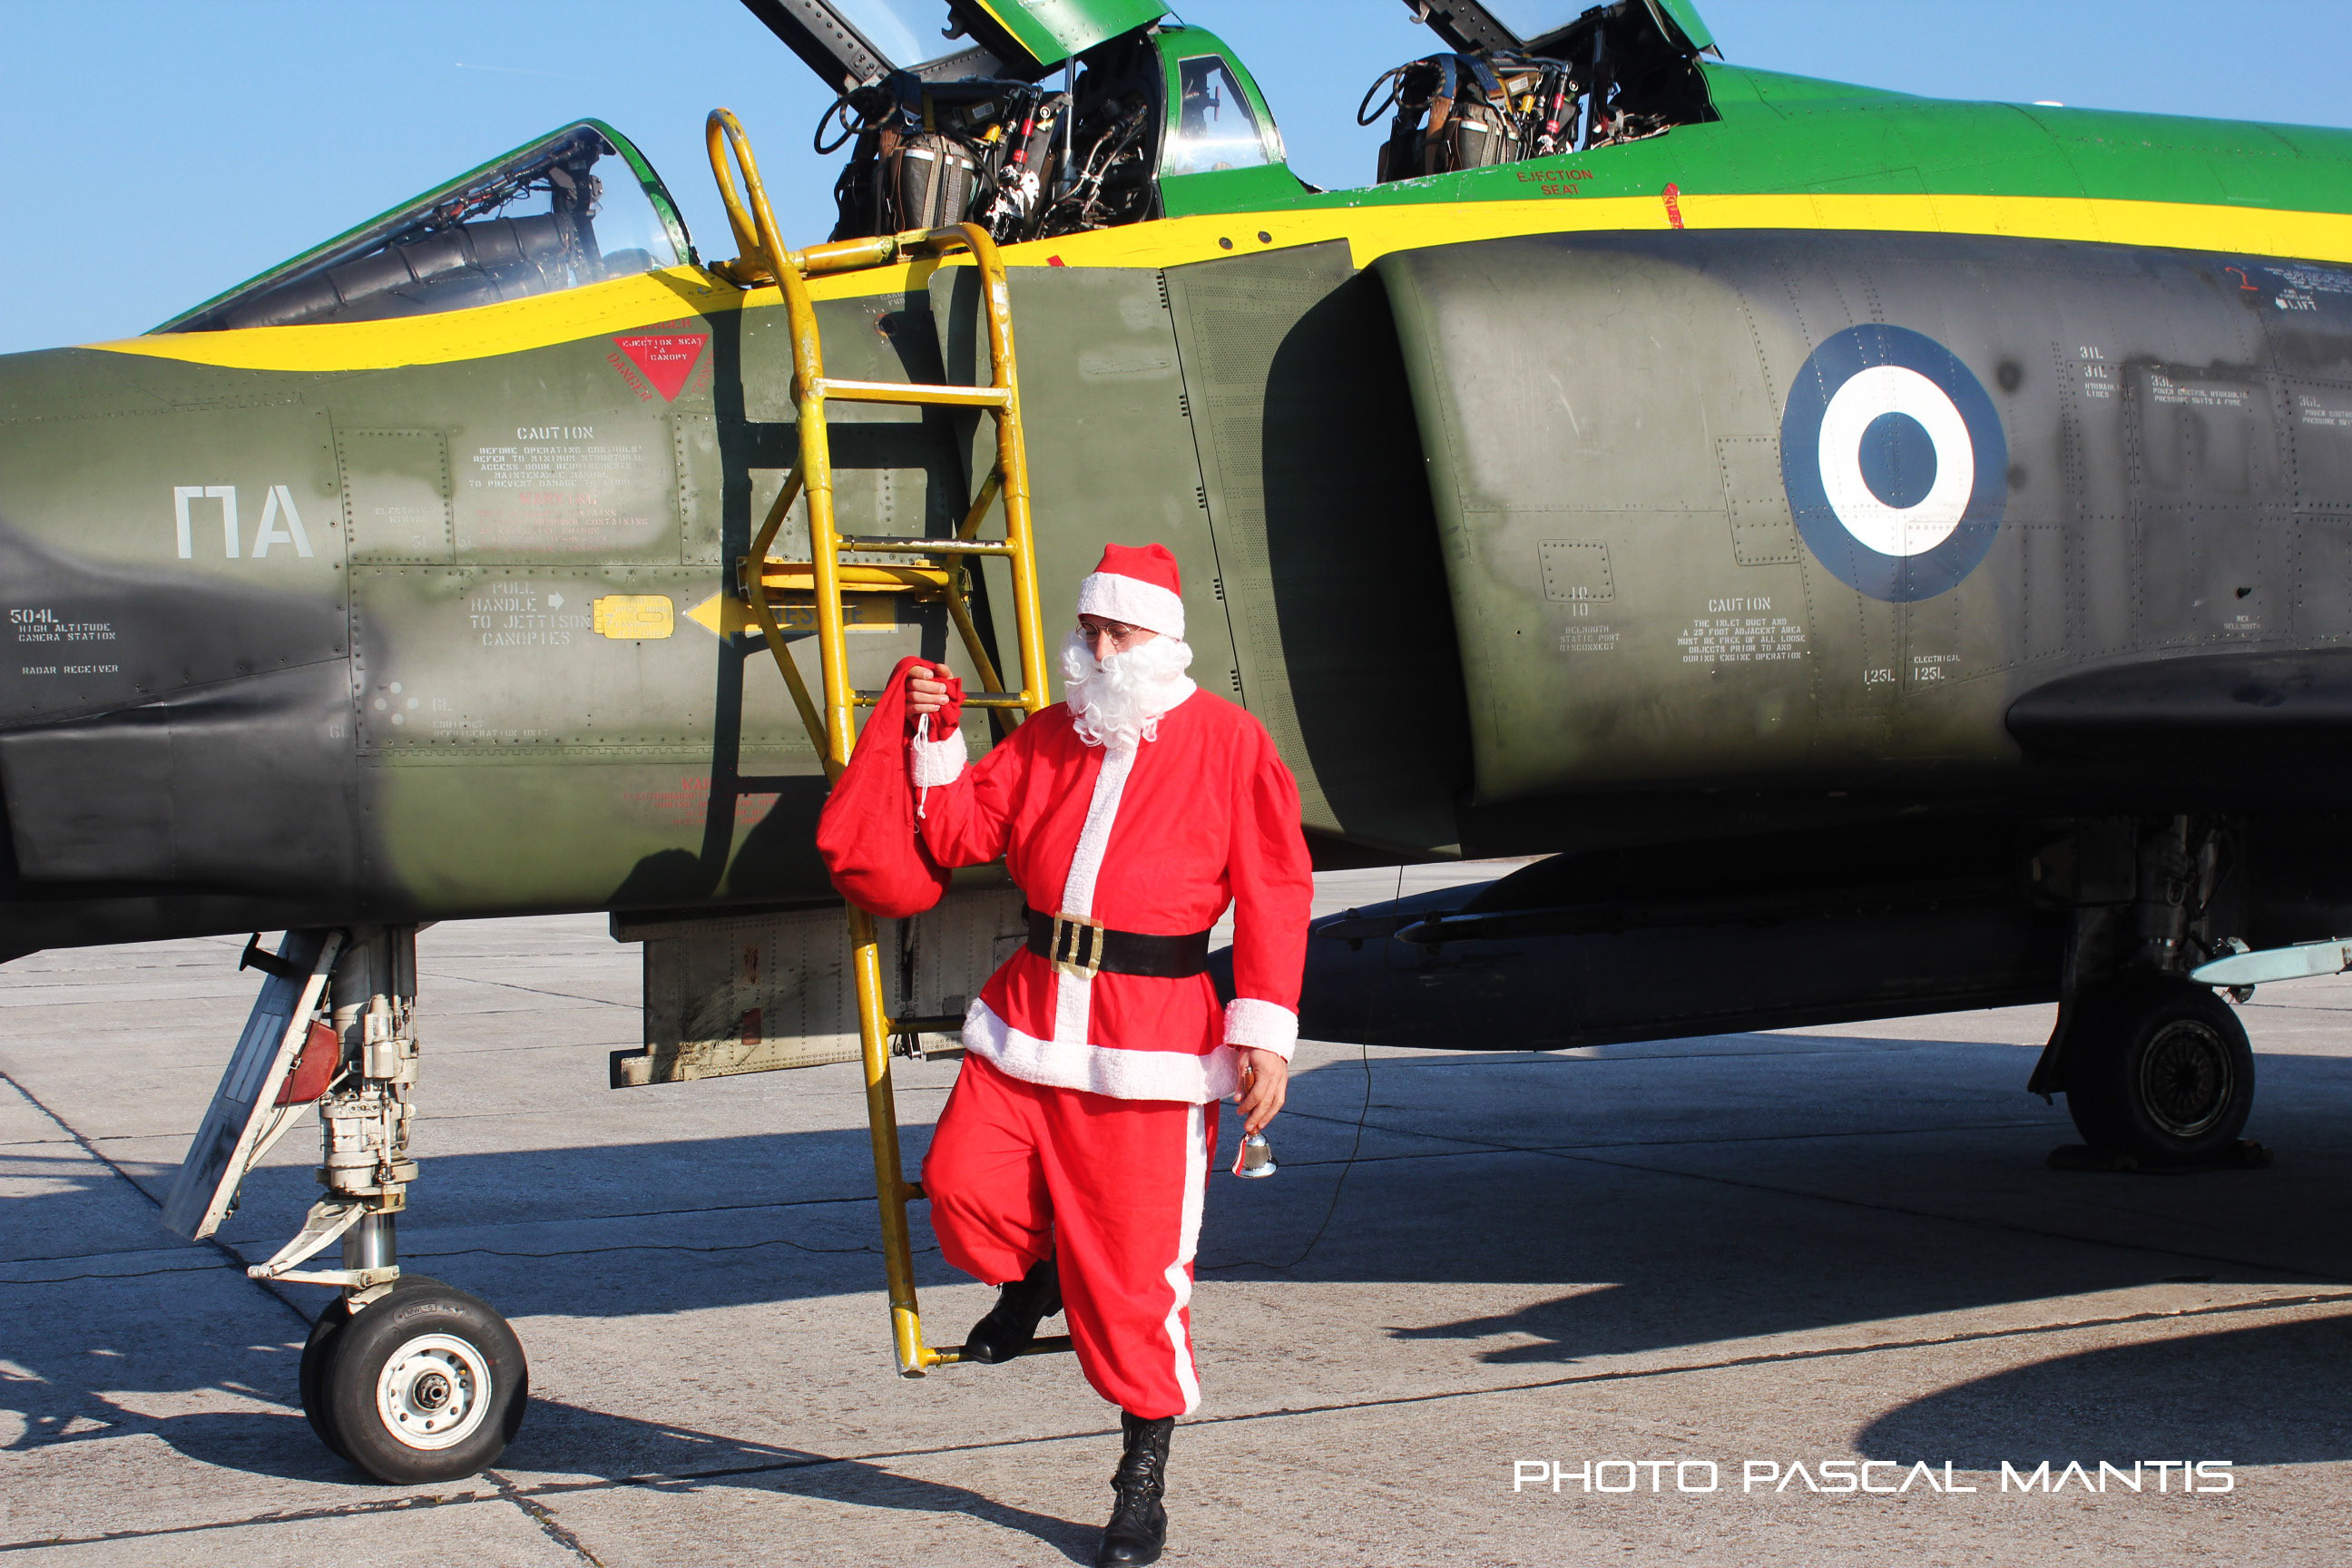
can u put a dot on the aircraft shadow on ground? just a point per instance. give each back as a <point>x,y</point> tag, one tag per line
<point>1762,1243</point>
<point>2267,1395</point>
<point>1758,1243</point>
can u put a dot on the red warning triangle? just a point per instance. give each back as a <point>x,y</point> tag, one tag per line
<point>667,359</point>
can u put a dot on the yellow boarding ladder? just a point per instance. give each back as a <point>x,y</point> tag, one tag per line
<point>834,569</point>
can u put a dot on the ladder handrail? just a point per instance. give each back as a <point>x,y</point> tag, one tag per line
<point>755,231</point>
<point>833,726</point>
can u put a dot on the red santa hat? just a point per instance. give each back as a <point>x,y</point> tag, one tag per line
<point>1137,584</point>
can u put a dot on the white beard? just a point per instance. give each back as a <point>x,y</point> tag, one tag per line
<point>1118,701</point>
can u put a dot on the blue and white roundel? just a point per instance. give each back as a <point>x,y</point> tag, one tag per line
<point>1895,463</point>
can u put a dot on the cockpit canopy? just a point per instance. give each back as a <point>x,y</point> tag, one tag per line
<point>960,124</point>
<point>578,205</point>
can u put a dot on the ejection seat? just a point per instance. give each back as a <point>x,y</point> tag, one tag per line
<point>1032,120</point>
<point>1517,86</point>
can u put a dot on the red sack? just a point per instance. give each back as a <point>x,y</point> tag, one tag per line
<point>867,832</point>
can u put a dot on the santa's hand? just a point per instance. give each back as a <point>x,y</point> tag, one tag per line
<point>1266,1083</point>
<point>926,693</point>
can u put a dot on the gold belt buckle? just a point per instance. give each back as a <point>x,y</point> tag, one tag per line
<point>1077,946</point>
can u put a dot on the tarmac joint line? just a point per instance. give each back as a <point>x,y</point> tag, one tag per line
<point>530,1499</point>
<point>545,1517</point>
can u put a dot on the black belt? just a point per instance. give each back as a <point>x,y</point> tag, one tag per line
<point>1086,947</point>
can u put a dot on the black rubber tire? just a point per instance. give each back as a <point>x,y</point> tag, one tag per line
<point>318,1350</point>
<point>2159,1069</point>
<point>421,1319</point>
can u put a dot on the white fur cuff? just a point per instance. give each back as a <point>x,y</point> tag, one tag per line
<point>938,763</point>
<point>1133,600</point>
<point>1261,1026</point>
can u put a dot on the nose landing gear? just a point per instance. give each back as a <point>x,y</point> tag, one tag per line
<point>410,1379</point>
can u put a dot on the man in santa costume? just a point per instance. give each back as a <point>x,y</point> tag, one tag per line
<point>1071,1160</point>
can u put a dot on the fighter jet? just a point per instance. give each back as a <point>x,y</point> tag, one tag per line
<point>1883,554</point>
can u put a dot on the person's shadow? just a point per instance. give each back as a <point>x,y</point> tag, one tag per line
<point>593,1451</point>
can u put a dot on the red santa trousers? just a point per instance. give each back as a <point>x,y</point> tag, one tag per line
<point>1111,1189</point>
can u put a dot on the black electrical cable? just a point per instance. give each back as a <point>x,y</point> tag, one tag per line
<point>1355,1147</point>
<point>1363,1111</point>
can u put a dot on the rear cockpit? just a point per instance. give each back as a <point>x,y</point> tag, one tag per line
<point>1517,86</point>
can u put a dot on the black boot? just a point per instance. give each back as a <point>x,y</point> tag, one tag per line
<point>1138,1524</point>
<point>1013,1322</point>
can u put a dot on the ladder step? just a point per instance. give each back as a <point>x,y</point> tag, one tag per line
<point>1044,1344</point>
<point>853,542</point>
<point>914,392</point>
<point>866,697</point>
<point>800,577</point>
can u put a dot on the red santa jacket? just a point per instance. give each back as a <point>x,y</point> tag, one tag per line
<point>1157,839</point>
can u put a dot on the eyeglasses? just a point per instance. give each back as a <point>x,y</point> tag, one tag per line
<point>1119,633</point>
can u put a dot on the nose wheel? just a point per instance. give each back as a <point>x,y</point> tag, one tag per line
<point>424,1383</point>
<point>318,1350</point>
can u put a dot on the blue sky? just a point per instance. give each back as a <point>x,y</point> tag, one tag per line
<point>157,152</point>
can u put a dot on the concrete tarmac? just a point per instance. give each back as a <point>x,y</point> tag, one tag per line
<point>1504,1308</point>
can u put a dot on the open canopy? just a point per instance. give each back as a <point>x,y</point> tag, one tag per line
<point>851,42</point>
<point>1554,27</point>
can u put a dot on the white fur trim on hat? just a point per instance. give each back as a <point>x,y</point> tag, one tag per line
<point>1133,600</point>
<point>1261,1026</point>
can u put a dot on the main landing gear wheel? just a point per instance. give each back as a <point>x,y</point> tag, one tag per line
<point>424,1383</point>
<point>2159,1069</point>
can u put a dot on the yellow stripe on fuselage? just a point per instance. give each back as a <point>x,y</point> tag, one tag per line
<point>1372,231</point>
<point>484,332</point>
